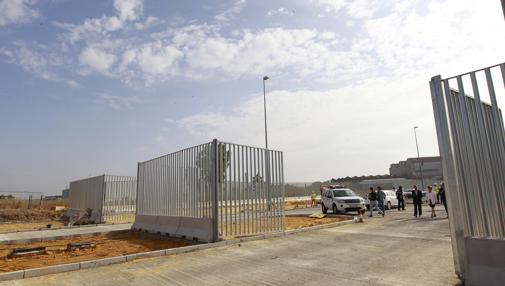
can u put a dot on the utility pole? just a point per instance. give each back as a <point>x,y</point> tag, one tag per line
<point>419,159</point>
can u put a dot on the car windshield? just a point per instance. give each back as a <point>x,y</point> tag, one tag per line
<point>343,193</point>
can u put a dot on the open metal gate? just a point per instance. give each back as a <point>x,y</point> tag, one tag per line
<point>471,140</point>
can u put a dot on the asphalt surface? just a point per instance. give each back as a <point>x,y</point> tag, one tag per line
<point>395,250</point>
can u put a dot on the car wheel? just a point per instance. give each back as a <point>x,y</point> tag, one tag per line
<point>324,209</point>
<point>335,209</point>
<point>389,206</point>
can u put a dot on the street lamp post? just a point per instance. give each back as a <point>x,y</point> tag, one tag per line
<point>267,155</point>
<point>265,78</point>
<point>419,159</point>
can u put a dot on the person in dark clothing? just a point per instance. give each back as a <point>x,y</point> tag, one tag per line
<point>399,196</point>
<point>372,197</point>
<point>443,199</point>
<point>417,199</point>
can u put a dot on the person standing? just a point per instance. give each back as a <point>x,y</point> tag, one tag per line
<point>313,199</point>
<point>443,198</point>
<point>432,200</point>
<point>436,189</point>
<point>417,199</point>
<point>399,196</point>
<point>381,197</point>
<point>372,197</point>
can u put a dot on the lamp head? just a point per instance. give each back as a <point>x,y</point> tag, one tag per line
<point>266,78</point>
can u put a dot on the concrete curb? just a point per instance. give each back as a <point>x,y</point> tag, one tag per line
<point>57,237</point>
<point>164,252</point>
<point>12,275</point>
<point>34,272</point>
<point>63,227</point>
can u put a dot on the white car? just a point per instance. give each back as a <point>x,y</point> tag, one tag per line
<point>341,200</point>
<point>391,200</point>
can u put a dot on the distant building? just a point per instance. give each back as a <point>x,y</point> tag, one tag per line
<point>65,194</point>
<point>410,168</point>
<point>52,198</point>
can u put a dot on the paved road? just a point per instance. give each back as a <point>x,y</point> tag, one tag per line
<point>395,250</point>
<point>47,234</point>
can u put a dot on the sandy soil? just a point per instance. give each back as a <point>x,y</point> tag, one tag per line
<point>109,245</point>
<point>25,226</point>
<point>297,204</point>
<point>294,222</point>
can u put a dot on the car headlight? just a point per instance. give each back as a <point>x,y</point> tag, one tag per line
<point>340,201</point>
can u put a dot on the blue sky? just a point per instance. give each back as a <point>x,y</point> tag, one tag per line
<point>92,87</point>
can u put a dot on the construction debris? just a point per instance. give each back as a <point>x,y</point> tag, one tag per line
<point>317,215</point>
<point>20,252</point>
<point>80,245</point>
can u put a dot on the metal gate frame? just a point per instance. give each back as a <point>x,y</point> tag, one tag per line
<point>471,140</point>
<point>212,191</point>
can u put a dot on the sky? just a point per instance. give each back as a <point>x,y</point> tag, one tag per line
<point>93,87</point>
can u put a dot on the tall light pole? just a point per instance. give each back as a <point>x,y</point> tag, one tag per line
<point>419,159</point>
<point>267,155</point>
<point>265,78</point>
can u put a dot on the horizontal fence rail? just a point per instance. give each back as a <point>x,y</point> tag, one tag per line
<point>237,189</point>
<point>472,145</point>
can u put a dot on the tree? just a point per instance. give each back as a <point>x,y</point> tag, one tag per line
<point>205,156</point>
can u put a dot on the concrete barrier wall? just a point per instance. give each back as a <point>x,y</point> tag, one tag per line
<point>486,261</point>
<point>176,226</point>
<point>87,193</point>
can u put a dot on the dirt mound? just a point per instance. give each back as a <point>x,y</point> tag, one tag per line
<point>294,222</point>
<point>24,215</point>
<point>107,245</point>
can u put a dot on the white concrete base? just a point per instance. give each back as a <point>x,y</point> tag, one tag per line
<point>188,227</point>
<point>486,262</point>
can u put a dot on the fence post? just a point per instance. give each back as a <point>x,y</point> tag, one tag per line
<point>214,160</point>
<point>452,188</point>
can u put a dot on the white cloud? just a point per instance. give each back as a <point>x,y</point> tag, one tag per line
<point>438,40</point>
<point>17,11</point>
<point>95,29</point>
<point>97,59</point>
<point>282,11</point>
<point>72,83</point>
<point>359,126</point>
<point>354,8</point>
<point>158,59</point>
<point>118,102</point>
<point>39,63</point>
<point>231,12</point>
<point>129,10</point>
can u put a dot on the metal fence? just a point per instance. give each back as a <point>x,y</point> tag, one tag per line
<point>232,189</point>
<point>471,140</point>
<point>120,197</point>
<point>112,199</point>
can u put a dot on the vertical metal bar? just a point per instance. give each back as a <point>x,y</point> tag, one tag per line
<point>485,157</point>
<point>234,191</point>
<point>497,221</point>
<point>247,189</point>
<point>256,191</point>
<point>443,126</point>
<point>472,176</point>
<point>215,206</point>
<point>242,191</point>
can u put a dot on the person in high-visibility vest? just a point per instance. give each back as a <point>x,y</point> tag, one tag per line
<point>313,199</point>
<point>436,189</point>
